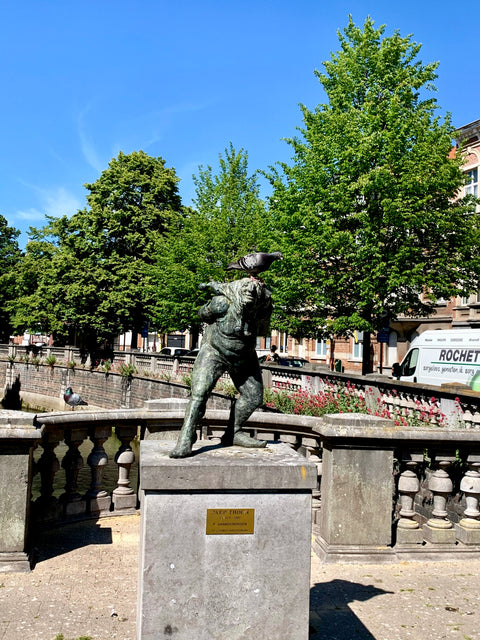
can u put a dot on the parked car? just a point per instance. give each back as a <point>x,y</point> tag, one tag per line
<point>285,361</point>
<point>173,351</point>
<point>193,353</point>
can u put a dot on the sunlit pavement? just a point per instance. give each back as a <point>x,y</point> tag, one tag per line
<point>84,584</point>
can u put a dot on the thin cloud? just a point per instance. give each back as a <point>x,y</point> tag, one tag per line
<point>55,202</point>
<point>147,129</point>
<point>28,215</point>
<point>60,202</point>
<point>86,144</point>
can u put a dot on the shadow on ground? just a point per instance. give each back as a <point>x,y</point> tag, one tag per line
<point>65,538</point>
<point>330,616</point>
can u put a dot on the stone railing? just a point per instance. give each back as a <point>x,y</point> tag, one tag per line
<point>433,475</point>
<point>385,492</point>
<point>452,406</point>
<point>449,406</point>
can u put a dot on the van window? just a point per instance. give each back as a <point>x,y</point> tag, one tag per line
<point>410,363</point>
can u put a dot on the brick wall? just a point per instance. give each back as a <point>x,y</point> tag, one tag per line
<point>100,390</point>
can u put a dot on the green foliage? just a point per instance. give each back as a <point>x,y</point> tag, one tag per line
<point>60,636</point>
<point>366,214</point>
<point>186,379</point>
<point>226,388</point>
<point>127,370</point>
<point>38,304</point>
<point>229,220</point>
<point>50,360</point>
<point>89,273</point>
<point>9,258</point>
<point>106,366</point>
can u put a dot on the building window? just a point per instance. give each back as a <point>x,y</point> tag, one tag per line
<point>471,188</point>
<point>357,350</point>
<point>321,348</point>
<point>268,342</point>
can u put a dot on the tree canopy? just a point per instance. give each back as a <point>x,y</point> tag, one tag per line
<point>9,257</point>
<point>228,220</point>
<point>94,276</point>
<point>367,212</point>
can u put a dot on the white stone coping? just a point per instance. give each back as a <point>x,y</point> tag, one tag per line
<point>363,426</point>
<point>342,425</point>
<point>18,425</point>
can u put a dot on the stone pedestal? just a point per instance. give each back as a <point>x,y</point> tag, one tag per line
<point>437,535</point>
<point>357,486</point>
<point>409,536</point>
<point>225,543</point>
<point>17,440</point>
<point>467,534</point>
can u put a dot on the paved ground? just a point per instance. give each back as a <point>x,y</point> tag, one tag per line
<point>84,586</point>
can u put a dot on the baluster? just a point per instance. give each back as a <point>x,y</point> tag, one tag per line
<point>72,462</point>
<point>123,496</point>
<point>98,500</point>
<point>314,454</point>
<point>46,506</point>
<point>439,529</point>
<point>408,529</point>
<point>468,529</point>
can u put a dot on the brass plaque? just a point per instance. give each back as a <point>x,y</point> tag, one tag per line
<point>229,521</point>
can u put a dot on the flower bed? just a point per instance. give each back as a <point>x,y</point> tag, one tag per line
<point>347,398</point>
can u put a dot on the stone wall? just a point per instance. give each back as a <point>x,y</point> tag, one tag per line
<point>42,387</point>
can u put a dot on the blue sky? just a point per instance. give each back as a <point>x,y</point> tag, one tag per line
<point>82,81</point>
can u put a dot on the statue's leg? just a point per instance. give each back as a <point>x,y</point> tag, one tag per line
<point>206,372</point>
<point>251,397</point>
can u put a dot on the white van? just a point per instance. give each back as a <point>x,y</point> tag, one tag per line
<point>438,357</point>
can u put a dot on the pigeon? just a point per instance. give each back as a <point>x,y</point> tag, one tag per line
<point>73,399</point>
<point>255,263</point>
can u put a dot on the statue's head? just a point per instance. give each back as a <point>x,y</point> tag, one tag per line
<point>248,294</point>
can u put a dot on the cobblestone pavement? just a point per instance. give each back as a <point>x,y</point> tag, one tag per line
<point>84,585</point>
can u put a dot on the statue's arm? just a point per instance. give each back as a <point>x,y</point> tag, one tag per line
<point>217,287</point>
<point>214,309</point>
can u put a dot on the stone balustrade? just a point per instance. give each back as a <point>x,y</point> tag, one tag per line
<point>385,493</point>
<point>391,493</point>
<point>452,406</point>
<point>74,429</point>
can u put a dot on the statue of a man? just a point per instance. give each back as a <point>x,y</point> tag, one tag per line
<point>238,312</point>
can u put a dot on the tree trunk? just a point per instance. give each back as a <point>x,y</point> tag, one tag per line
<point>134,343</point>
<point>366,361</point>
<point>195,332</point>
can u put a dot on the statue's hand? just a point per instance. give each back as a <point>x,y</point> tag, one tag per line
<point>219,305</point>
<point>203,285</point>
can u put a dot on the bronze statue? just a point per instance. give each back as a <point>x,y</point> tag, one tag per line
<point>238,312</point>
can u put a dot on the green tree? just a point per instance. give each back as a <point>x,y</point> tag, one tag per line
<point>229,219</point>
<point>367,211</point>
<point>9,257</point>
<point>34,307</point>
<point>95,281</point>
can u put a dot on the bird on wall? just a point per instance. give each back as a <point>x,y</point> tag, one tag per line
<point>73,399</point>
<point>255,263</point>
